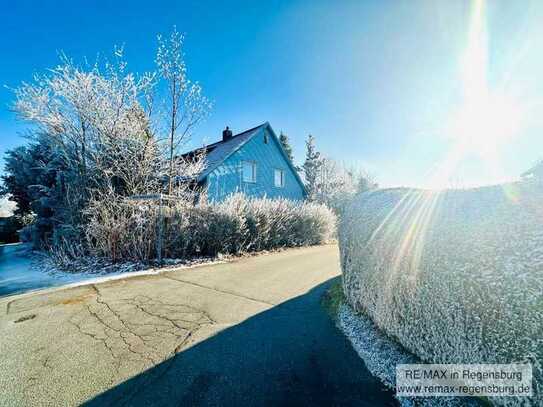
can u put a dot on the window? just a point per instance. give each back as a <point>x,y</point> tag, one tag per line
<point>265,138</point>
<point>249,171</point>
<point>279,178</point>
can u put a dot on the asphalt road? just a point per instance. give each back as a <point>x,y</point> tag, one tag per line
<point>247,333</point>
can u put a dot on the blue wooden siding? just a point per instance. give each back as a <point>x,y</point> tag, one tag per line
<point>228,177</point>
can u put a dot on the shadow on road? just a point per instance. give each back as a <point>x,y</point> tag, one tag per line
<point>291,354</point>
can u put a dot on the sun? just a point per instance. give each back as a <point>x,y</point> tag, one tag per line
<point>488,119</point>
<point>486,123</point>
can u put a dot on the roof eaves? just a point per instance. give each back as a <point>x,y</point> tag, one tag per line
<point>207,171</point>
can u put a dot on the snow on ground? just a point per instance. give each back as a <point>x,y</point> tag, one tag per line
<point>22,270</point>
<point>381,354</point>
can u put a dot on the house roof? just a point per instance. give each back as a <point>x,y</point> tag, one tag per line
<point>217,153</point>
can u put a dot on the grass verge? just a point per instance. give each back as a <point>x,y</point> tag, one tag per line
<point>333,298</point>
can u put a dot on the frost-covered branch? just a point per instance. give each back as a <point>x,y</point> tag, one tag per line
<point>186,106</point>
<point>95,128</point>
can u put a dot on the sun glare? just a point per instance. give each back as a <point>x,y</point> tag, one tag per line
<point>488,118</point>
<point>486,122</point>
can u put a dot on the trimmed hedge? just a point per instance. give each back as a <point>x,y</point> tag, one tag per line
<point>455,276</point>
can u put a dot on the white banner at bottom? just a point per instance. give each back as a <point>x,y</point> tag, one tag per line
<point>493,380</point>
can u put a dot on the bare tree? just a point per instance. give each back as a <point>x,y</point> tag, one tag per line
<point>95,129</point>
<point>89,130</point>
<point>92,118</point>
<point>186,106</point>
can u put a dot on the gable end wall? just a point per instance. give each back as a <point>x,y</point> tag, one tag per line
<point>227,179</point>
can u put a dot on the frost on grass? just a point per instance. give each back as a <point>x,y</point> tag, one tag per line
<point>381,354</point>
<point>454,276</point>
<point>56,265</point>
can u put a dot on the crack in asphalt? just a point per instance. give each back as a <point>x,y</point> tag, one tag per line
<point>141,305</point>
<point>125,330</point>
<point>116,328</point>
<point>103,340</point>
<point>145,341</point>
<point>219,291</point>
<point>126,397</point>
<point>8,305</point>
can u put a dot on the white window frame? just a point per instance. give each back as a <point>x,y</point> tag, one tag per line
<point>281,173</point>
<point>252,180</point>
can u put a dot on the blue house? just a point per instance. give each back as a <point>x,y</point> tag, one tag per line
<point>252,162</point>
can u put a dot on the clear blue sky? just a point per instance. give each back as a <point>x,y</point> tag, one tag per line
<point>373,81</point>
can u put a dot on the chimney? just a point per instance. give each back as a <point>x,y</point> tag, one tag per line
<point>226,134</point>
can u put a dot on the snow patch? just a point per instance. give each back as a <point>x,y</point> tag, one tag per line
<point>381,354</point>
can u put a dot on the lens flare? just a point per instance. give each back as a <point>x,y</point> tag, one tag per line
<point>483,125</point>
<point>488,119</point>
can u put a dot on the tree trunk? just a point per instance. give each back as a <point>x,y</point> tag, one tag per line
<point>172,133</point>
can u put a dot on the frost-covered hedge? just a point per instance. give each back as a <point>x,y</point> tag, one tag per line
<point>455,277</point>
<point>120,229</point>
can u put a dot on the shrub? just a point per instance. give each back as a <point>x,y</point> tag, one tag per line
<point>9,228</point>
<point>454,276</point>
<point>120,229</point>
